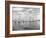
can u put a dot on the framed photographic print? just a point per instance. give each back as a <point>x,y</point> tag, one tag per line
<point>24,18</point>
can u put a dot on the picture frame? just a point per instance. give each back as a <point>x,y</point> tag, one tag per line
<point>30,8</point>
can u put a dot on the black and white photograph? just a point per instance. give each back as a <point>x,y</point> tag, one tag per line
<point>25,18</point>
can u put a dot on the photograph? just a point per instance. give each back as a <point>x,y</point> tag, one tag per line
<point>25,18</point>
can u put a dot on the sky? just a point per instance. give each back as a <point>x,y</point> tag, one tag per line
<point>25,13</point>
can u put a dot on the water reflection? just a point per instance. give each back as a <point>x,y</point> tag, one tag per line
<point>27,25</point>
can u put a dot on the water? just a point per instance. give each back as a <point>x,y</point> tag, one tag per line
<point>26,25</point>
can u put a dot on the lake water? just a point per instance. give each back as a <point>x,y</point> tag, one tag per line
<point>26,25</point>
